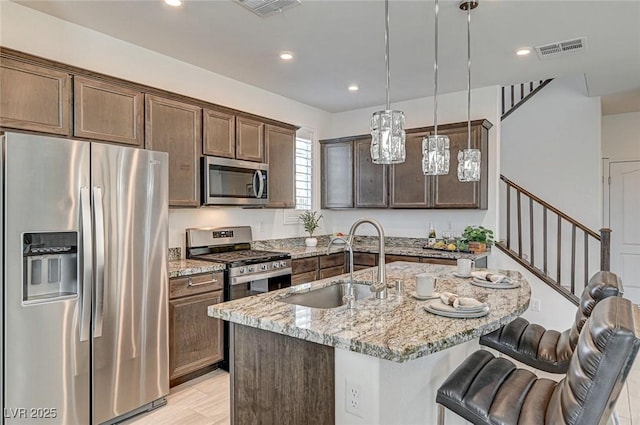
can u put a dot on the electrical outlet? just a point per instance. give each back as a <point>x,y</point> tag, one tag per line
<point>535,304</point>
<point>354,399</point>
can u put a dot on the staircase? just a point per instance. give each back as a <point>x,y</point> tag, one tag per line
<point>516,95</point>
<point>553,246</point>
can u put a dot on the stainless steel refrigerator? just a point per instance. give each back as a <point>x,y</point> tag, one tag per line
<point>84,280</point>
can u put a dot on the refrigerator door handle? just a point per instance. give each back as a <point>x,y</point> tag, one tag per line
<point>87,246</point>
<point>98,223</point>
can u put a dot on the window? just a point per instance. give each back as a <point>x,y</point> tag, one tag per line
<point>303,173</point>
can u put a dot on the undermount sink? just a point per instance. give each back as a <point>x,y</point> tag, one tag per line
<point>327,297</point>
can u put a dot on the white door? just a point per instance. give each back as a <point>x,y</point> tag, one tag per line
<point>624,221</point>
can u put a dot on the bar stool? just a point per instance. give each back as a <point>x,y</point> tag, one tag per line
<point>488,390</point>
<point>550,350</point>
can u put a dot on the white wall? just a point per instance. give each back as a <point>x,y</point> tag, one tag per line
<point>419,113</point>
<point>621,136</point>
<point>42,35</point>
<point>551,147</point>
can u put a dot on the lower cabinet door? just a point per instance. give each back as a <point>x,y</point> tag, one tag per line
<point>195,339</point>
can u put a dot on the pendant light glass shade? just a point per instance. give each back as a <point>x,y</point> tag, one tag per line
<point>387,127</point>
<point>469,165</point>
<point>435,148</point>
<point>469,159</point>
<point>387,137</point>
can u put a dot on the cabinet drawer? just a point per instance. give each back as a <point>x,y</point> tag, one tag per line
<point>357,267</point>
<point>331,260</point>
<point>297,279</point>
<point>392,258</point>
<point>365,259</point>
<point>446,261</point>
<point>331,271</point>
<point>303,265</point>
<point>196,284</point>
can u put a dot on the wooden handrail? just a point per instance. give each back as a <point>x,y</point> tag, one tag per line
<point>550,207</point>
<point>570,288</point>
<point>515,105</point>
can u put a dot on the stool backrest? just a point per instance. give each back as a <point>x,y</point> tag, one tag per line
<point>601,285</point>
<point>600,364</point>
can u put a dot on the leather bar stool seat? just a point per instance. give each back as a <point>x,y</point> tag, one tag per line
<point>550,350</point>
<point>488,390</point>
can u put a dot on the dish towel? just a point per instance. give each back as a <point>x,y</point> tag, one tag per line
<point>461,303</point>
<point>492,277</point>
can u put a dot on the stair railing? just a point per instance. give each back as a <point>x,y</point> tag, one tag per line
<point>516,95</point>
<point>531,242</point>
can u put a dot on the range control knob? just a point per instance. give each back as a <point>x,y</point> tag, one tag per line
<point>250,269</point>
<point>283,264</point>
<point>242,270</point>
<point>275,265</point>
<point>264,267</point>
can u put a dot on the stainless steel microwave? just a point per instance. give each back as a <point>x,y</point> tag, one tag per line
<point>234,182</point>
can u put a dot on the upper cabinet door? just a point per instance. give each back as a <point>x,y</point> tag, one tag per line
<point>176,127</point>
<point>249,139</point>
<point>109,112</point>
<point>337,175</point>
<point>448,191</point>
<point>219,133</point>
<point>280,145</point>
<point>34,98</point>
<point>370,179</point>
<point>409,186</point>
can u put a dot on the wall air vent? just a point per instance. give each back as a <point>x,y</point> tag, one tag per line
<point>264,8</point>
<point>562,48</point>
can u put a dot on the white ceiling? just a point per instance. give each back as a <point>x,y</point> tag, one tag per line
<point>338,42</point>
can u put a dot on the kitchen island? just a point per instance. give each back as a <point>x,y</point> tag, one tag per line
<point>379,363</point>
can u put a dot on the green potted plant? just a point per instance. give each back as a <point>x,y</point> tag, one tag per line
<point>310,221</point>
<point>478,237</point>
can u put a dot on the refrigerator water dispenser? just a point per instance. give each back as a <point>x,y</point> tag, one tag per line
<point>50,266</point>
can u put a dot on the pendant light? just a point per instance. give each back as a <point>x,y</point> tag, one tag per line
<point>435,148</point>
<point>469,159</point>
<point>387,127</point>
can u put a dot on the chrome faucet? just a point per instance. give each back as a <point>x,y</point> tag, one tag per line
<point>379,287</point>
<point>350,298</point>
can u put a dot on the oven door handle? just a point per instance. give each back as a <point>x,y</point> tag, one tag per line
<point>237,280</point>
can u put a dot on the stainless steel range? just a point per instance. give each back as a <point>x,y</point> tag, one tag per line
<point>248,271</point>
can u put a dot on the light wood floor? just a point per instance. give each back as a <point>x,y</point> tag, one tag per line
<point>201,401</point>
<point>205,401</point>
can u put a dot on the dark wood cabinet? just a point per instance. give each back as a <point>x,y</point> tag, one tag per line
<point>370,180</point>
<point>409,187</point>
<point>350,179</point>
<point>34,98</point>
<point>337,174</point>
<point>176,128</point>
<point>218,133</point>
<point>448,191</point>
<point>331,265</point>
<point>195,339</point>
<point>304,270</point>
<point>280,147</point>
<point>105,111</point>
<point>249,139</point>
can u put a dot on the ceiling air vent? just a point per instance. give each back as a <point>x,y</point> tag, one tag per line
<point>562,48</point>
<point>264,8</point>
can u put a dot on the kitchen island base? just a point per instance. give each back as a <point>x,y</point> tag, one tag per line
<point>277,379</point>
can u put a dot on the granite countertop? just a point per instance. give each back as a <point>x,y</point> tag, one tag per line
<point>183,267</point>
<point>396,329</point>
<point>393,246</point>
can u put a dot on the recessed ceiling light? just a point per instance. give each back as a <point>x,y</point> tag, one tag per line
<point>353,87</point>
<point>287,56</point>
<point>523,51</point>
<point>174,3</point>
